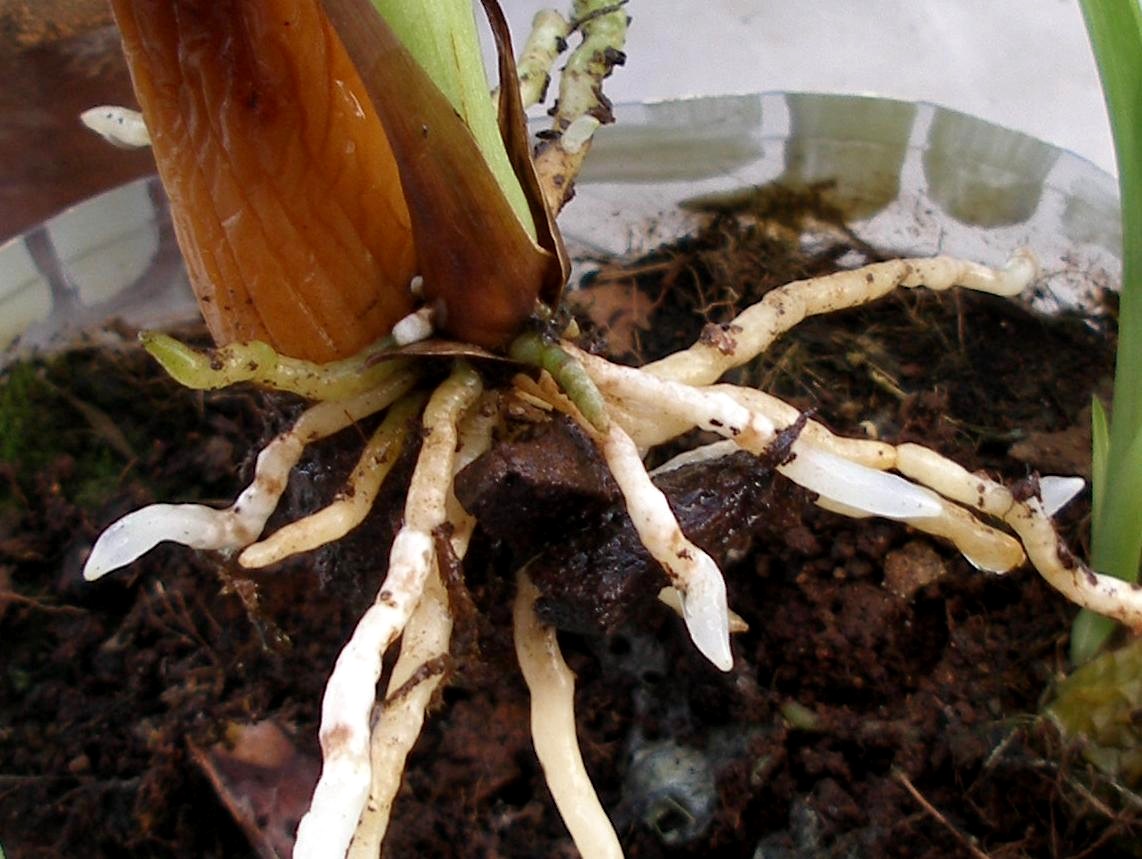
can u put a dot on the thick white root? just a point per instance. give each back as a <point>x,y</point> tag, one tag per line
<point>328,827</point>
<point>552,688</point>
<point>425,640</point>
<point>693,572</point>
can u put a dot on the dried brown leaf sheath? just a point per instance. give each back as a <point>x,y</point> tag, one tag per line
<point>306,195</point>
<point>481,269</point>
<point>284,190</point>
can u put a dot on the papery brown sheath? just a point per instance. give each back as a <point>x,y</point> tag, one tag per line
<point>482,271</point>
<point>309,183</point>
<point>284,191</point>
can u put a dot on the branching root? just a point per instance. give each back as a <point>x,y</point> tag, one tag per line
<point>425,640</point>
<point>352,504</point>
<point>346,776</point>
<point>201,527</point>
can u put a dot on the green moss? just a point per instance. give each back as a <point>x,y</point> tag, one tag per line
<point>1100,702</point>
<point>73,424</point>
<point>21,398</point>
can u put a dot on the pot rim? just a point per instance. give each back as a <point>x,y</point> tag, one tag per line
<point>912,177</point>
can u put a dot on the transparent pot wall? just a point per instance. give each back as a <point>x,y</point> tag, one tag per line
<point>913,179</point>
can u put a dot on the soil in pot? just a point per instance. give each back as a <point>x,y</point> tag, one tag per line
<point>881,702</point>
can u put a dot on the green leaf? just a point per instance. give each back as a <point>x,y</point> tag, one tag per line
<point>1115,29</point>
<point>1099,448</point>
<point>441,35</point>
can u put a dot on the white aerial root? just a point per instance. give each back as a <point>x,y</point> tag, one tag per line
<point>860,490</point>
<point>655,403</point>
<point>985,547</point>
<point>341,792</point>
<point>119,126</point>
<point>1057,492</point>
<point>758,326</point>
<point>552,687</point>
<point>652,406</point>
<point>201,527</point>
<point>425,640</point>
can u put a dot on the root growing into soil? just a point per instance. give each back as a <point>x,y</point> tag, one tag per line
<point>627,412</point>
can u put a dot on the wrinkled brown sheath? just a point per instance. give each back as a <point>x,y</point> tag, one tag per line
<point>285,194</point>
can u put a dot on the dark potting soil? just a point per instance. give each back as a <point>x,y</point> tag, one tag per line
<point>882,703</point>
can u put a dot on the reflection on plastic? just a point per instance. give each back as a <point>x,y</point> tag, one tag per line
<point>984,175</point>
<point>114,257</point>
<point>1091,216</point>
<point>860,144</point>
<point>677,141</point>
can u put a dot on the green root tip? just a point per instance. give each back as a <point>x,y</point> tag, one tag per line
<point>185,365</point>
<point>532,349</point>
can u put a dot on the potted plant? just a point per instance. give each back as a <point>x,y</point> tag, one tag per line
<point>618,410</point>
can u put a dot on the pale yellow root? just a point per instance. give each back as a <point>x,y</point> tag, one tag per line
<point>758,326</point>
<point>982,545</point>
<point>346,775</point>
<point>985,547</point>
<point>202,527</point>
<point>352,503</point>
<point>426,638</point>
<point>1064,572</point>
<point>552,688</point>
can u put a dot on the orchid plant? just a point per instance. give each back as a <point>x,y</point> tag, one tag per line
<point>474,274</point>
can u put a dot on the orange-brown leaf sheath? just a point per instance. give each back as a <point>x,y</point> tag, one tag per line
<point>285,193</point>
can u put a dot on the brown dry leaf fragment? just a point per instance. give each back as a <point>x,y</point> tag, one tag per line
<point>264,782</point>
<point>620,310</point>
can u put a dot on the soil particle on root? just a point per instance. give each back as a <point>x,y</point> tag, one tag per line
<point>881,702</point>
